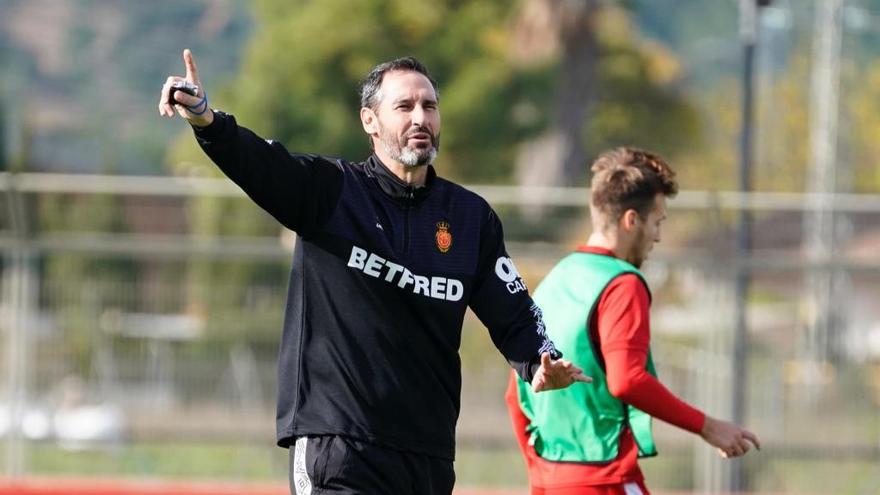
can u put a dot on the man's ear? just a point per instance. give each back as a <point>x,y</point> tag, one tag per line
<point>369,121</point>
<point>629,220</point>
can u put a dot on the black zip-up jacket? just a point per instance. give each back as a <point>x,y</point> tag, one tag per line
<point>382,275</point>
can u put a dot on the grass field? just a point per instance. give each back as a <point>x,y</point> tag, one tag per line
<point>480,471</point>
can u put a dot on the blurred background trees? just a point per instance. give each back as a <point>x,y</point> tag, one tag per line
<point>528,93</point>
<point>514,81</point>
<point>531,91</point>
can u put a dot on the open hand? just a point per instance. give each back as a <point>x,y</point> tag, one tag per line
<point>192,108</point>
<point>552,375</point>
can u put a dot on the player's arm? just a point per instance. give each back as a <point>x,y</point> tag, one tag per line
<point>300,191</point>
<point>624,338</point>
<point>501,301</point>
<point>624,334</point>
<point>517,418</point>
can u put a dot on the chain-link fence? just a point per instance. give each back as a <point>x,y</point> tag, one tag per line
<point>139,335</point>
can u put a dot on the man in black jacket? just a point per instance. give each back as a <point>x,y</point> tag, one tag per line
<point>388,259</point>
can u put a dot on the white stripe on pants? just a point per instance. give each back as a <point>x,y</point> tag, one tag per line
<point>301,481</point>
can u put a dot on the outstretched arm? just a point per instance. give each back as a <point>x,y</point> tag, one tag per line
<point>501,300</point>
<point>624,335</point>
<point>299,190</point>
<point>556,374</point>
<point>628,381</point>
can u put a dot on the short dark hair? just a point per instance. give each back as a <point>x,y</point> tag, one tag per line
<point>629,179</point>
<point>370,85</point>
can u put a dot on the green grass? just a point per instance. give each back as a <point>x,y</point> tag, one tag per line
<point>495,468</point>
<point>475,467</point>
<point>210,461</point>
<point>820,477</point>
<point>238,462</point>
<point>673,471</point>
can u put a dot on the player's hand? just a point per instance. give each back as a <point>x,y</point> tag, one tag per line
<point>552,375</point>
<point>192,108</point>
<point>730,440</point>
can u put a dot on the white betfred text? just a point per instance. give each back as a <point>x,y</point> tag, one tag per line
<point>509,275</point>
<point>371,264</point>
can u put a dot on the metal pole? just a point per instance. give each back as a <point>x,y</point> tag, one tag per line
<point>820,236</point>
<point>13,298</point>
<point>739,369</point>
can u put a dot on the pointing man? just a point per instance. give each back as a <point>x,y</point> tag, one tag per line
<point>389,258</point>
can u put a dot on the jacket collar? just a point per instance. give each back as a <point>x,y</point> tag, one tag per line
<point>396,188</point>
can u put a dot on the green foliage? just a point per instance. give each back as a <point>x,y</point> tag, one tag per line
<point>301,76</point>
<point>782,131</point>
<point>302,70</point>
<point>639,103</point>
<point>98,279</point>
<point>863,110</point>
<point>175,460</point>
<point>4,154</point>
<point>299,85</point>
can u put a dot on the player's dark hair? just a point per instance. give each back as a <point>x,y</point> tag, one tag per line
<point>629,179</point>
<point>371,83</point>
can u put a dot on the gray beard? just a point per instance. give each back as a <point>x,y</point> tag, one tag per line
<point>412,158</point>
<point>406,156</point>
<point>409,157</point>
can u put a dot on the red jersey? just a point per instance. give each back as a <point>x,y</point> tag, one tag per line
<point>620,327</point>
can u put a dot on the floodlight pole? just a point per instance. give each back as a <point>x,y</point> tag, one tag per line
<point>739,358</point>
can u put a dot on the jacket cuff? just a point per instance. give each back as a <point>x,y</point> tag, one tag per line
<point>216,129</point>
<point>532,368</point>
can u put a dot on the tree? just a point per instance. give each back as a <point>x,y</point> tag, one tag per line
<point>300,75</point>
<point>299,83</point>
<point>612,89</point>
<point>564,32</point>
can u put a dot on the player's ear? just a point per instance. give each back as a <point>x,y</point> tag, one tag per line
<point>369,121</point>
<point>629,220</point>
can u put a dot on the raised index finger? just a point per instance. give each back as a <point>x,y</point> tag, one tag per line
<point>192,74</point>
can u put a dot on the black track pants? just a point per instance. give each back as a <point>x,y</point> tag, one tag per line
<point>344,466</point>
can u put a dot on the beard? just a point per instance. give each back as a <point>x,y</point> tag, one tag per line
<point>399,150</point>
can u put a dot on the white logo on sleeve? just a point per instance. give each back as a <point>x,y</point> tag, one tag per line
<point>546,344</point>
<point>509,275</point>
<point>371,264</point>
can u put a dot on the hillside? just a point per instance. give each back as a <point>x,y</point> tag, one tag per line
<point>80,78</point>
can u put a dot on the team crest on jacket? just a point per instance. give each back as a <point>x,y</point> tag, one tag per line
<point>443,237</point>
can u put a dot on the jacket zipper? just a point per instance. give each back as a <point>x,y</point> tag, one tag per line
<point>409,197</point>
